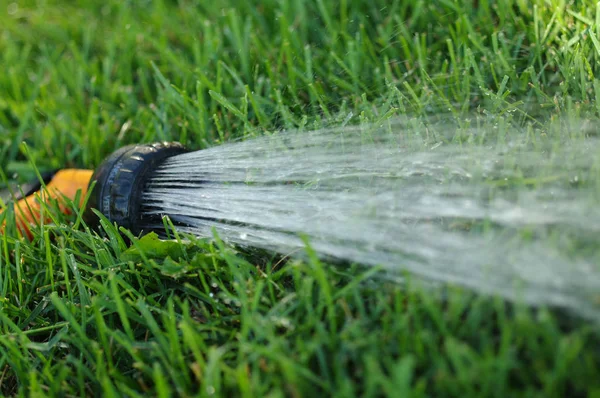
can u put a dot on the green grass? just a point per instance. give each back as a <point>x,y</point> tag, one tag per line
<point>81,314</point>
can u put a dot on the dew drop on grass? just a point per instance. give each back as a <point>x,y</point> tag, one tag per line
<point>12,8</point>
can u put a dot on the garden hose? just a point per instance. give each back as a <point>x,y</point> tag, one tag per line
<point>116,188</point>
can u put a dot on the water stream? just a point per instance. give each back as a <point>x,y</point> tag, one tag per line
<point>518,216</point>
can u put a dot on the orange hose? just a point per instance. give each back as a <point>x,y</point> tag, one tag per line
<point>65,184</point>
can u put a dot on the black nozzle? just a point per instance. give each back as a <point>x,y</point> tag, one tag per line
<point>120,181</point>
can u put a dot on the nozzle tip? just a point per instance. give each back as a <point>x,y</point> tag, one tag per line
<point>120,179</point>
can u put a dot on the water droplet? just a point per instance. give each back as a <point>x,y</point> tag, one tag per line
<point>12,8</point>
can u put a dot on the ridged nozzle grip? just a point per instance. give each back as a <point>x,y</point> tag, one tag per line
<point>120,180</point>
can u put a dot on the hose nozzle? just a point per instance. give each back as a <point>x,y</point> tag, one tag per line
<point>119,182</point>
<point>120,179</point>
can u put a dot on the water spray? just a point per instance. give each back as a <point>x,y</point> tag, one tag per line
<point>377,197</point>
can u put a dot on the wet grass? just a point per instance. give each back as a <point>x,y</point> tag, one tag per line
<point>84,313</point>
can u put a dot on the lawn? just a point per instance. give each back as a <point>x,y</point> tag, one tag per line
<point>82,313</point>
